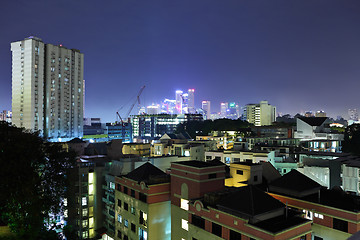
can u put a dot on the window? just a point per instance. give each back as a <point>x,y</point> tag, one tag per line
<point>85,212</point>
<point>119,234</point>
<point>119,203</point>
<point>132,210</point>
<point>85,234</point>
<point>142,197</point>
<point>184,204</point>
<point>318,215</point>
<point>240,172</point>
<point>142,218</point>
<point>84,223</point>
<point>119,218</point>
<point>112,185</point>
<point>132,193</point>
<point>184,224</point>
<point>126,206</point>
<point>118,187</point>
<point>234,235</point>
<point>125,190</point>
<point>84,201</point>
<point>216,229</point>
<point>142,234</point>
<point>340,225</point>
<point>212,175</point>
<point>198,221</point>
<point>255,178</point>
<point>133,227</point>
<point>126,223</point>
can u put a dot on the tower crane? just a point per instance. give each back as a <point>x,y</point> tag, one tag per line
<point>132,105</point>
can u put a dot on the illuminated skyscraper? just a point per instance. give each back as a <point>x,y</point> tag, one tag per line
<point>47,88</point>
<point>179,101</point>
<point>191,101</point>
<point>223,108</point>
<point>207,109</point>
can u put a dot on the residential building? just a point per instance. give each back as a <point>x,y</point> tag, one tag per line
<point>142,206</point>
<point>334,214</point>
<point>47,88</point>
<point>261,114</point>
<point>206,209</point>
<point>308,128</point>
<point>83,202</point>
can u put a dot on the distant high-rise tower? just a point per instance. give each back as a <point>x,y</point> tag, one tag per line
<point>47,88</point>
<point>223,108</point>
<point>179,101</point>
<point>261,114</point>
<point>353,114</point>
<point>191,100</point>
<point>206,108</point>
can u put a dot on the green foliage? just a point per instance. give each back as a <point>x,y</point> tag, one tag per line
<point>351,143</point>
<point>33,180</point>
<point>205,127</point>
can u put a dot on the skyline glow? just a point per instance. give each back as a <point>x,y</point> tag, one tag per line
<point>298,55</point>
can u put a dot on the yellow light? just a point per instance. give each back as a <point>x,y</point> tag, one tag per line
<point>91,178</point>
<point>91,222</point>
<point>91,189</point>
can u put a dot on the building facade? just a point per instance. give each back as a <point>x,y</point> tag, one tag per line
<point>47,88</point>
<point>262,114</point>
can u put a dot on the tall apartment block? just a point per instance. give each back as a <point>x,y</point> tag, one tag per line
<point>261,114</point>
<point>47,88</point>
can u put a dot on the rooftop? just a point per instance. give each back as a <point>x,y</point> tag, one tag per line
<point>200,164</point>
<point>313,121</point>
<point>149,174</point>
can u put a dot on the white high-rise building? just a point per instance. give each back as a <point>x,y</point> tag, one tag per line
<point>206,108</point>
<point>47,88</point>
<point>191,100</point>
<point>262,114</point>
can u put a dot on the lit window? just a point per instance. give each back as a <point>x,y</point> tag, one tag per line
<point>184,204</point>
<point>84,223</point>
<point>91,189</point>
<point>85,212</point>
<point>91,222</point>
<point>184,224</point>
<point>84,201</point>
<point>112,185</point>
<point>65,202</point>
<point>119,218</point>
<point>91,175</point>
<point>126,223</point>
<point>85,234</point>
<point>66,213</point>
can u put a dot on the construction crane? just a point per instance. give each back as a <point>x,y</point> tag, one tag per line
<point>132,106</point>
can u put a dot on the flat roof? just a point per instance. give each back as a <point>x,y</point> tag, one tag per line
<point>199,164</point>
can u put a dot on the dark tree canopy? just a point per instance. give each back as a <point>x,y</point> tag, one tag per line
<point>351,143</point>
<point>33,180</point>
<point>205,127</point>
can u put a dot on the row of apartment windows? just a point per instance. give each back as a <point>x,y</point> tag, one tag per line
<point>142,197</point>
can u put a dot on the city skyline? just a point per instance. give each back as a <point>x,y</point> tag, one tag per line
<point>233,51</point>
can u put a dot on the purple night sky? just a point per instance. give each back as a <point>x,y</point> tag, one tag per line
<point>299,55</point>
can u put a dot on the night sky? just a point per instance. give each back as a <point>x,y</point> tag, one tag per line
<point>299,55</point>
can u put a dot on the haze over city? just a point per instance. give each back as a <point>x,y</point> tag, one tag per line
<point>298,55</point>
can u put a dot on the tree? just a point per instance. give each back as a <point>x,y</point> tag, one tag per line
<point>33,180</point>
<point>351,143</point>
